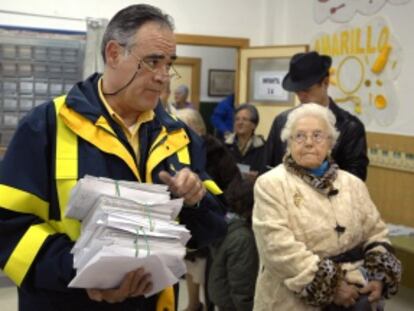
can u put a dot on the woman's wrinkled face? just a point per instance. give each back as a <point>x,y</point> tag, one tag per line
<point>243,126</point>
<point>310,142</point>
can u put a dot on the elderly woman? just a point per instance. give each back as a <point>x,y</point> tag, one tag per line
<point>321,241</point>
<point>181,96</point>
<point>246,147</point>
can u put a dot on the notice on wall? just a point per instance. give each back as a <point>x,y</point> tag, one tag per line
<point>268,86</point>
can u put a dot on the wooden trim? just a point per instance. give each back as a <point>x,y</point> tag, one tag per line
<point>237,79</point>
<point>391,142</point>
<point>212,41</point>
<point>195,64</point>
<point>2,151</point>
<point>391,189</point>
<point>288,46</point>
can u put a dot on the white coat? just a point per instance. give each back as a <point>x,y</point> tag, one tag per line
<point>294,228</point>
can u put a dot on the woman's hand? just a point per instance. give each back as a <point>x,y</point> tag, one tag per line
<point>345,295</point>
<point>373,289</point>
<point>134,284</point>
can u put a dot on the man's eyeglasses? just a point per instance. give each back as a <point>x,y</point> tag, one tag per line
<point>316,137</point>
<point>156,65</point>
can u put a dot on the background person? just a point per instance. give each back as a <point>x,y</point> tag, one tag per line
<point>235,260</point>
<point>321,241</point>
<point>222,117</point>
<point>246,147</point>
<point>106,126</point>
<point>220,164</point>
<point>308,78</point>
<point>181,97</point>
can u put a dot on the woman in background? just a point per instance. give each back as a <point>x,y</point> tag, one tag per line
<point>321,240</point>
<point>246,147</point>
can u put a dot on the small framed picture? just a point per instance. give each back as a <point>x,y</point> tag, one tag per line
<point>220,82</point>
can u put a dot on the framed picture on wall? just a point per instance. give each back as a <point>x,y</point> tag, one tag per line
<point>220,82</point>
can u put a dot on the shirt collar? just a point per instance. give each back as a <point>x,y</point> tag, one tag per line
<point>146,116</point>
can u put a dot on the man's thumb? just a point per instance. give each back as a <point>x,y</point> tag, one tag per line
<point>366,289</point>
<point>166,178</point>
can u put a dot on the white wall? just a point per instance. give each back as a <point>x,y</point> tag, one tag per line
<point>264,22</point>
<point>297,26</point>
<point>233,18</point>
<point>212,58</point>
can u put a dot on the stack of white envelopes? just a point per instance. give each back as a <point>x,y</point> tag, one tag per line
<point>125,226</point>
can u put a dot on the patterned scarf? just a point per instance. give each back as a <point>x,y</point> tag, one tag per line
<point>323,184</point>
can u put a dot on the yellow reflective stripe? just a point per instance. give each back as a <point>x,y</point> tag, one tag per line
<point>175,141</point>
<point>98,136</point>
<point>25,252</point>
<point>66,172</point>
<point>166,300</point>
<point>183,156</point>
<point>66,146</point>
<point>23,202</point>
<point>212,187</point>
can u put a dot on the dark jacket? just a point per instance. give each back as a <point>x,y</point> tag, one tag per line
<point>350,151</point>
<point>234,268</point>
<point>220,165</point>
<point>35,240</point>
<point>253,156</point>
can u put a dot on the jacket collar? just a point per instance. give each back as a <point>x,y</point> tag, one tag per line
<point>257,140</point>
<point>84,99</point>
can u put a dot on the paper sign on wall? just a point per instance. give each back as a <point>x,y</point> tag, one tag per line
<point>268,86</point>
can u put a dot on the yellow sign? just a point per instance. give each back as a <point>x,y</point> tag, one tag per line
<point>366,63</point>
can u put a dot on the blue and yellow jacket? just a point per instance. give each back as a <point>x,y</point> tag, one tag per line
<point>56,144</point>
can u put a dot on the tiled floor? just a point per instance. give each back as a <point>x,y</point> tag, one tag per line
<point>404,301</point>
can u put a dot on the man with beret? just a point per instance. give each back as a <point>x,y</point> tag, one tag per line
<point>308,78</point>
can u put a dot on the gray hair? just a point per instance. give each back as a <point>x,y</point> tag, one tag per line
<point>254,114</point>
<point>124,25</point>
<point>182,89</point>
<point>193,119</point>
<point>314,110</point>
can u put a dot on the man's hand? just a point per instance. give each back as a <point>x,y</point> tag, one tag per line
<point>373,289</point>
<point>345,295</point>
<point>134,284</point>
<point>185,184</point>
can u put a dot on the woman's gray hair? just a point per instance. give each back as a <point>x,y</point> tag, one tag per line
<point>183,89</point>
<point>124,25</point>
<point>314,110</point>
<point>193,119</point>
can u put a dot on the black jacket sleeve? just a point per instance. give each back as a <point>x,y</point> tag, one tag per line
<point>350,151</point>
<point>352,155</point>
<point>206,221</point>
<point>274,148</point>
